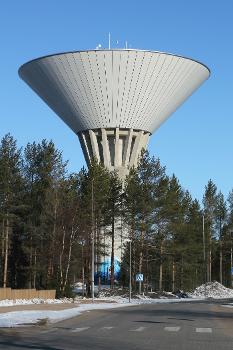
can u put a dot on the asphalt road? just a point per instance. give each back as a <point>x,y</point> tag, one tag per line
<point>183,326</point>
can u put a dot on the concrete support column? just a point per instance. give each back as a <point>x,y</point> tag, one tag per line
<point>105,145</point>
<point>127,146</point>
<point>136,149</point>
<point>117,162</point>
<point>126,154</point>
<point>83,142</point>
<point>94,145</point>
<point>145,140</point>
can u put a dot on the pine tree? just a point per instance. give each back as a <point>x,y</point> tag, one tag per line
<point>95,221</point>
<point>68,232</point>
<point>43,171</point>
<point>210,204</point>
<point>220,213</point>
<point>10,189</point>
<point>141,196</point>
<point>174,208</point>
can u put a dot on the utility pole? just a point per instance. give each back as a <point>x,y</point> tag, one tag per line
<point>204,250</point>
<point>220,246</point>
<point>83,272</point>
<point>231,249</point>
<point>231,236</point>
<point>203,237</point>
<point>92,244</point>
<point>130,267</point>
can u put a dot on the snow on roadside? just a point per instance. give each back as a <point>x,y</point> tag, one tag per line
<point>213,290</point>
<point>16,318</point>
<point>227,305</point>
<point>35,301</point>
<point>146,300</point>
<point>29,317</point>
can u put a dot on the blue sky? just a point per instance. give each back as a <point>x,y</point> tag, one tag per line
<point>196,142</point>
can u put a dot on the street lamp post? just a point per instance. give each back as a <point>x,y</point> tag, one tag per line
<point>204,250</point>
<point>231,237</point>
<point>130,272</point>
<point>83,272</point>
<point>92,244</point>
<point>130,267</point>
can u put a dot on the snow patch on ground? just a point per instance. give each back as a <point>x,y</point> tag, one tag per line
<point>228,305</point>
<point>105,300</point>
<point>146,300</point>
<point>213,290</point>
<point>35,301</point>
<point>16,318</point>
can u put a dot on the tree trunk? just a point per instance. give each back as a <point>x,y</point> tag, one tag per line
<point>68,259</point>
<point>3,237</point>
<point>209,263</point>
<point>210,259</point>
<point>182,272</point>
<point>140,266</point>
<point>50,269</point>
<point>30,264</point>
<point>6,254</point>
<point>3,245</point>
<point>161,268</point>
<point>173,275</point>
<point>34,272</point>
<point>112,253</point>
<point>220,248</point>
<point>220,261</point>
<point>61,258</point>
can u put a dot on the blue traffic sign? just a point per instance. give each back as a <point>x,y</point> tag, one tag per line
<point>139,277</point>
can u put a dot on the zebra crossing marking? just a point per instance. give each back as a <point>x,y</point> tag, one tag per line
<point>172,329</point>
<point>203,330</point>
<point>75,330</point>
<point>108,328</point>
<point>139,329</point>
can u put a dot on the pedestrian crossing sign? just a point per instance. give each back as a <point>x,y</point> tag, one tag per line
<point>139,277</point>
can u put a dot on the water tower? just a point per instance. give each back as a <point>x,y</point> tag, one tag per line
<point>114,99</point>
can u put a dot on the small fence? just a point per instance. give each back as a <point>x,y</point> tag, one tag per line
<point>12,294</point>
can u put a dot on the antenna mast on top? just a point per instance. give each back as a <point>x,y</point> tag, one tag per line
<point>109,40</point>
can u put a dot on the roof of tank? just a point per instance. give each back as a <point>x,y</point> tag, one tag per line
<point>123,88</point>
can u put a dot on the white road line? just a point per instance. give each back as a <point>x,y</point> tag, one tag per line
<point>79,329</point>
<point>204,330</point>
<point>108,328</point>
<point>50,330</point>
<point>171,329</point>
<point>140,329</point>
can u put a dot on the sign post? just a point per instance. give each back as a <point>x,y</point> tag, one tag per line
<point>139,278</point>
